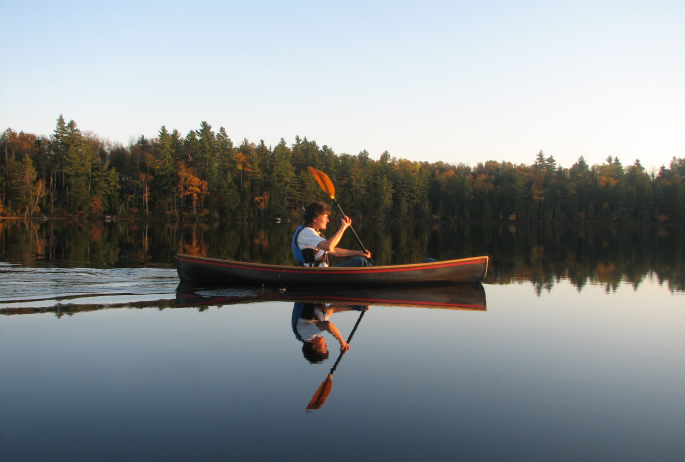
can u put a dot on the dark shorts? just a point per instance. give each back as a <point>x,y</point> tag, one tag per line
<point>356,261</point>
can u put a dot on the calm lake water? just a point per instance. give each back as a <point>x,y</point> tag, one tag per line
<point>573,349</point>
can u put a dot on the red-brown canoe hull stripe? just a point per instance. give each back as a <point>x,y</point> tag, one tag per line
<point>218,301</point>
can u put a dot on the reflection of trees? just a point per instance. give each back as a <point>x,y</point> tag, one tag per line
<point>589,254</point>
<point>543,254</point>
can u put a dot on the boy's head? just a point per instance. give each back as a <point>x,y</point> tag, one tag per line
<point>315,210</point>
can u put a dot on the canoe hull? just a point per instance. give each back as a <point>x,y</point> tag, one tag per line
<point>200,270</point>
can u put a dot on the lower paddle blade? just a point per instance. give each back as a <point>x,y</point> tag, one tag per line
<point>324,182</point>
<point>321,395</point>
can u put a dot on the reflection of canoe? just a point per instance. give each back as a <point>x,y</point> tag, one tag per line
<point>457,296</point>
<point>228,273</point>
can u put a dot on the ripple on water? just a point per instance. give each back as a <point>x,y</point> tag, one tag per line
<point>22,287</point>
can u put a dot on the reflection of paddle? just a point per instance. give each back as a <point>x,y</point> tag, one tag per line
<point>324,390</point>
<point>327,186</point>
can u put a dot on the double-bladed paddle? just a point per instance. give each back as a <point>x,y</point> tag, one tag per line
<point>324,390</point>
<point>327,187</point>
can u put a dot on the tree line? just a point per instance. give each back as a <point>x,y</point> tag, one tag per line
<point>204,175</point>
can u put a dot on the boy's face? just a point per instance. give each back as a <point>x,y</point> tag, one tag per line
<point>320,222</point>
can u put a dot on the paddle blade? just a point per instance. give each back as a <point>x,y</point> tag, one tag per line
<point>321,395</point>
<point>323,180</point>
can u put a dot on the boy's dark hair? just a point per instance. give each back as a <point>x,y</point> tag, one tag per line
<point>312,355</point>
<point>315,209</point>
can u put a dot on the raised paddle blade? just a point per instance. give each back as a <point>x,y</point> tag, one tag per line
<point>321,395</point>
<point>323,180</point>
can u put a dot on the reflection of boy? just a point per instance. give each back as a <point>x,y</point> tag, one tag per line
<point>309,321</point>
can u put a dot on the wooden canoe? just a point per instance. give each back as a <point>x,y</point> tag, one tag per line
<point>200,270</point>
<point>450,297</point>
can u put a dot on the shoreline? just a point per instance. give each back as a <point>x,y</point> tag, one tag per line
<point>280,221</point>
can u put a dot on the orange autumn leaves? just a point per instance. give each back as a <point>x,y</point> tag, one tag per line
<point>191,186</point>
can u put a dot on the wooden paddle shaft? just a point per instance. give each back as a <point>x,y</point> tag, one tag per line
<point>359,241</point>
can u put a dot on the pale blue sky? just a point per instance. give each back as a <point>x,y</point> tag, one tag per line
<point>425,80</point>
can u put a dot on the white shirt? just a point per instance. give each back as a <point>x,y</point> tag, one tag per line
<point>309,239</point>
<point>308,328</point>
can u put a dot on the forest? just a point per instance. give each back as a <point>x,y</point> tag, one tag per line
<point>205,176</point>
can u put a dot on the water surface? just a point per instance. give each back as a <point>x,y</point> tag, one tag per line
<point>101,362</point>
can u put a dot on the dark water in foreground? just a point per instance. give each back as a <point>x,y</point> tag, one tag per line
<point>101,361</point>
